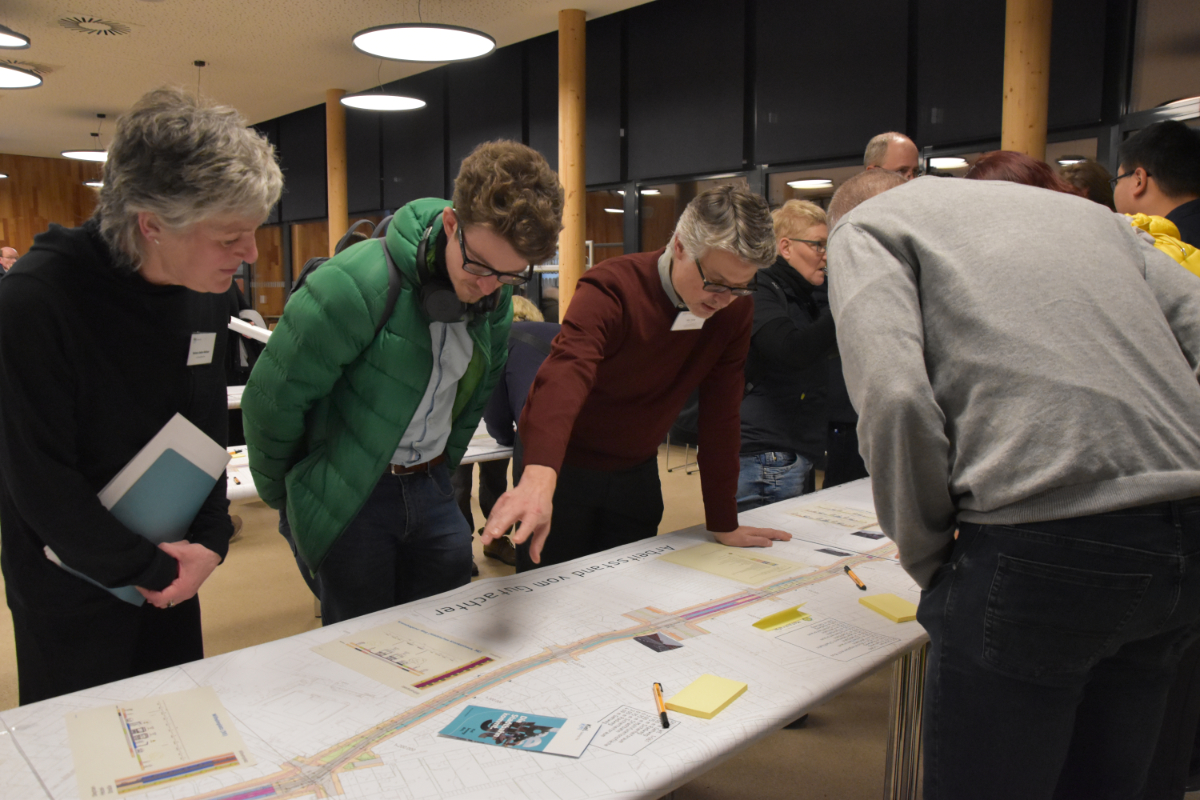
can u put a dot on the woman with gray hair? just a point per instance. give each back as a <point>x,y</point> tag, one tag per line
<point>106,332</point>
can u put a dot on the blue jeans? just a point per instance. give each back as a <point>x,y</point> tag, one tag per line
<point>408,542</point>
<point>770,477</point>
<point>1052,647</point>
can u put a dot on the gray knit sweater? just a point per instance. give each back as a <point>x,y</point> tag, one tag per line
<point>1015,355</point>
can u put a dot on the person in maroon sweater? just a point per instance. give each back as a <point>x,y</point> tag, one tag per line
<point>642,332</point>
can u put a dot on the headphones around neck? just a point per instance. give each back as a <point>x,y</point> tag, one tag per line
<point>438,298</point>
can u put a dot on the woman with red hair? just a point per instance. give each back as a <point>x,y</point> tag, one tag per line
<point>1007,165</point>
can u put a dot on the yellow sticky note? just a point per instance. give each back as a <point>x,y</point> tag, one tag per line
<point>706,696</point>
<point>897,609</point>
<point>781,618</point>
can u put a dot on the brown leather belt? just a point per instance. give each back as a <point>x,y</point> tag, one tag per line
<point>425,466</point>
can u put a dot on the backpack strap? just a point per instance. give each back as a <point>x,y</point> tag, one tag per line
<point>395,284</point>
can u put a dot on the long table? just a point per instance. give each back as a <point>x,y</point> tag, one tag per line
<point>566,641</point>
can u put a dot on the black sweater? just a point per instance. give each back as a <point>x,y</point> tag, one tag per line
<point>787,370</point>
<point>92,365</point>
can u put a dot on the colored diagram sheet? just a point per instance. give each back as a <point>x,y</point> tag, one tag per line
<point>406,656</point>
<point>148,743</point>
<point>586,639</point>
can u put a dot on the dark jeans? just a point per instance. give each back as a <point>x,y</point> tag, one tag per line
<point>409,542</point>
<point>101,641</point>
<point>770,477</point>
<point>1053,645</point>
<point>595,510</point>
<point>493,482</point>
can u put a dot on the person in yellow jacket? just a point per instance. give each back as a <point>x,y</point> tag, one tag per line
<point>1166,239</point>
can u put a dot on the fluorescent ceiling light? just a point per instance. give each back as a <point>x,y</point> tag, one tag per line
<point>424,42</point>
<point>380,101</point>
<point>615,210</point>
<point>1067,160</point>
<point>86,155</point>
<point>651,191</point>
<point>948,162</point>
<point>94,184</point>
<point>16,78</point>
<point>811,183</point>
<point>12,40</point>
<point>3,175</point>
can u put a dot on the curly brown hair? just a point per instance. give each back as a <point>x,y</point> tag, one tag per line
<point>510,189</point>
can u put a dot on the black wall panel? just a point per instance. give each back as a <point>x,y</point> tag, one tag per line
<point>363,185</point>
<point>485,102</point>
<point>686,97</point>
<point>414,150</point>
<point>1076,62</point>
<point>302,156</point>
<point>828,77</point>
<point>541,61</point>
<point>604,100</point>
<point>270,129</point>
<point>960,70</point>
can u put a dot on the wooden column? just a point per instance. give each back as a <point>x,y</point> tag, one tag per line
<point>335,165</point>
<point>572,163</point>
<point>1026,77</point>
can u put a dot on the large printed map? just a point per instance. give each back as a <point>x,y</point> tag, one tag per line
<point>565,641</point>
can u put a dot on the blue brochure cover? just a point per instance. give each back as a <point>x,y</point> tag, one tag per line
<point>522,731</point>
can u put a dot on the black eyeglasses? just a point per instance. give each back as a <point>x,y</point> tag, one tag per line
<point>720,288</point>
<point>820,247</point>
<point>484,271</point>
<point>1113,182</point>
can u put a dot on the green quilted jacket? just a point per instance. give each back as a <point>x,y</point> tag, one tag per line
<point>329,400</point>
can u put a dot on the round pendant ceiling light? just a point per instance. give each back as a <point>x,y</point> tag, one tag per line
<point>14,77</point>
<point>12,40</point>
<point>424,42</point>
<point>96,153</point>
<point>381,101</point>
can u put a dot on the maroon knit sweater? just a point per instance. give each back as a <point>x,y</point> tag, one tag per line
<point>618,376</point>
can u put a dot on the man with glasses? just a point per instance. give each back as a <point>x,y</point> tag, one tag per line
<point>642,332</point>
<point>354,422</point>
<point>894,152</point>
<point>1159,176</point>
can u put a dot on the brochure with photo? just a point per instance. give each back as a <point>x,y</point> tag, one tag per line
<point>523,731</point>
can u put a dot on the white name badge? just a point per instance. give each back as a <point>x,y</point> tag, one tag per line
<point>201,350</point>
<point>687,321</point>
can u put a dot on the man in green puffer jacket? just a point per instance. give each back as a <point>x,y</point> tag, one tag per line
<point>353,434</point>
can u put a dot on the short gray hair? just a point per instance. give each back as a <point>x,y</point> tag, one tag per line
<point>728,218</point>
<point>184,161</point>
<point>859,189</point>
<point>876,152</point>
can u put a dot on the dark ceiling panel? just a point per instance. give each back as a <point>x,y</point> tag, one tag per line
<point>302,157</point>
<point>485,102</point>
<point>413,142</point>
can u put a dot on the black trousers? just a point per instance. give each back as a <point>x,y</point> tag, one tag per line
<point>596,510</point>
<point>99,641</point>
<point>493,482</point>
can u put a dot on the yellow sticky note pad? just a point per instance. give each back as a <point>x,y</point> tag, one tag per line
<point>706,696</point>
<point>897,609</point>
<point>779,619</point>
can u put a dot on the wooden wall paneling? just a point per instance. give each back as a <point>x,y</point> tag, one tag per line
<point>39,191</point>
<point>267,292</point>
<point>309,240</point>
<point>603,227</point>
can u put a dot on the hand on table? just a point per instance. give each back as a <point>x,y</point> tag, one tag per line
<point>529,503</point>
<point>196,563</point>
<point>745,536</point>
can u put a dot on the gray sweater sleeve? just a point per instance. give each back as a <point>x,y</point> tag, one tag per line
<point>874,296</point>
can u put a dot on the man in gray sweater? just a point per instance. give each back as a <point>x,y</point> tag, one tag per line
<point>1025,371</point>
